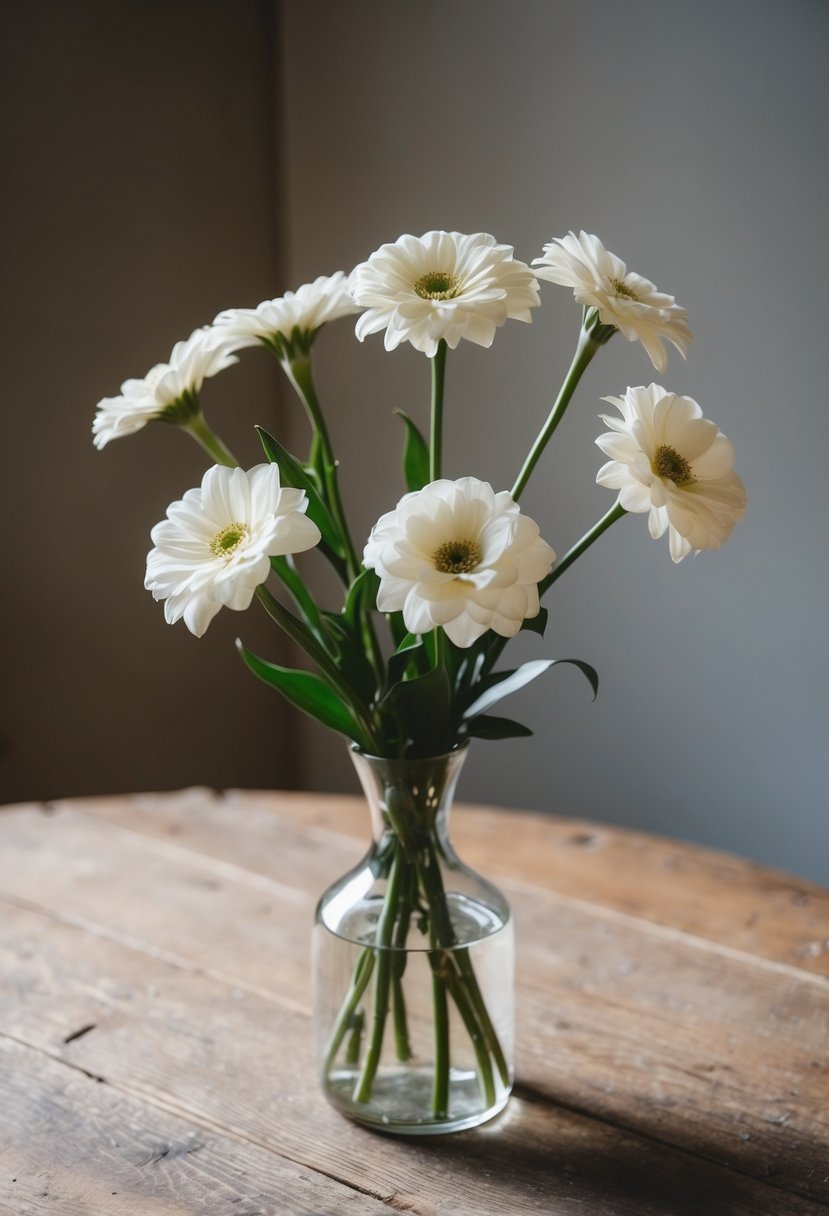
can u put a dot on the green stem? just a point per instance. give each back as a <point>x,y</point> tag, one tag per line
<point>359,982</point>
<point>482,1015</point>
<point>436,435</point>
<point>440,1084</point>
<point>401,933</point>
<point>209,440</point>
<point>298,371</point>
<point>286,571</point>
<point>382,944</point>
<point>615,512</point>
<point>452,969</point>
<point>585,350</point>
<point>466,985</point>
<point>482,1049</point>
<point>415,887</point>
<point>355,1038</point>
<point>495,649</point>
<point>299,633</point>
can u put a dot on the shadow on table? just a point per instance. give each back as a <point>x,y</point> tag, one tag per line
<point>546,1153</point>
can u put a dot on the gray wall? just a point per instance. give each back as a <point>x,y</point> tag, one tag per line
<point>150,189</point>
<point>693,140</point>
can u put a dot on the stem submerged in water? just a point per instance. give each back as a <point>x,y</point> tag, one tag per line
<point>454,982</point>
<point>413,1041</point>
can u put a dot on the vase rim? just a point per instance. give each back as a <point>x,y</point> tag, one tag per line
<point>460,750</point>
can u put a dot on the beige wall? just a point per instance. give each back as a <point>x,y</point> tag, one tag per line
<point>140,197</point>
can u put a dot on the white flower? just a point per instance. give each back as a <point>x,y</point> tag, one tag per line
<point>213,549</point>
<point>670,461</point>
<point>624,300</point>
<point>442,285</point>
<point>167,391</point>
<point>308,308</point>
<point>458,555</point>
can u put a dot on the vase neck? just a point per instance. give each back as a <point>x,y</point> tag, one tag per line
<point>409,798</point>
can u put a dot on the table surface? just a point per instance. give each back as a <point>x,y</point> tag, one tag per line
<point>155,1049</point>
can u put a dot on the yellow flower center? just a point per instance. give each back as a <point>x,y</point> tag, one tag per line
<point>227,541</point>
<point>457,556</point>
<point>669,464</point>
<point>437,285</point>
<point>622,291</point>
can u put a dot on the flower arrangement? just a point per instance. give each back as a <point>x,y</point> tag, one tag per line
<point>454,570</point>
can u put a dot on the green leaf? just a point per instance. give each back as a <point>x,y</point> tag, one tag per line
<point>415,455</point>
<point>536,624</point>
<point>362,596</point>
<point>347,634</point>
<point>409,642</point>
<point>397,627</point>
<point>307,692</point>
<point>293,474</point>
<point>284,569</point>
<point>502,683</point>
<point>350,657</point>
<point>589,673</point>
<point>487,727</point>
<point>292,471</point>
<point>408,652</point>
<point>423,707</point>
<point>470,667</point>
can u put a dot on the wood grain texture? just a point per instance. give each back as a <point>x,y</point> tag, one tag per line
<point>160,943</point>
<point>700,891</point>
<point>244,1069</point>
<point>73,1145</point>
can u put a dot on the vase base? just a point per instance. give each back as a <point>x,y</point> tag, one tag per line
<point>401,1103</point>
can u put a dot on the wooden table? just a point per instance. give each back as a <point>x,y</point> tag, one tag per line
<point>154,1027</point>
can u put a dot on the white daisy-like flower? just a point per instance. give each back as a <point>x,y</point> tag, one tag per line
<point>214,548</point>
<point>458,555</point>
<point>623,299</point>
<point>668,460</point>
<point>442,285</point>
<point>167,391</point>
<point>304,311</point>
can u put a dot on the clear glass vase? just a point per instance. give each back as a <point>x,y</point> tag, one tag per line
<point>413,966</point>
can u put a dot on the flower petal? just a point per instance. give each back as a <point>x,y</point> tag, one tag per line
<point>215,546</point>
<point>442,286</point>
<point>457,555</point>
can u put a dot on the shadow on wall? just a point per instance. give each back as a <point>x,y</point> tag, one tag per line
<point>143,203</point>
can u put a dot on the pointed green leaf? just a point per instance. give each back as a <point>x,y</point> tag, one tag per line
<point>589,673</point>
<point>349,655</point>
<point>284,569</point>
<point>415,455</point>
<point>487,727</point>
<point>293,474</point>
<point>409,642</point>
<point>536,624</point>
<point>362,596</point>
<point>397,627</point>
<point>510,681</point>
<point>506,682</point>
<point>408,652</point>
<point>307,692</point>
<point>423,707</point>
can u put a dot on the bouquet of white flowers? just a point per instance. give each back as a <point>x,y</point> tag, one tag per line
<point>452,572</point>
